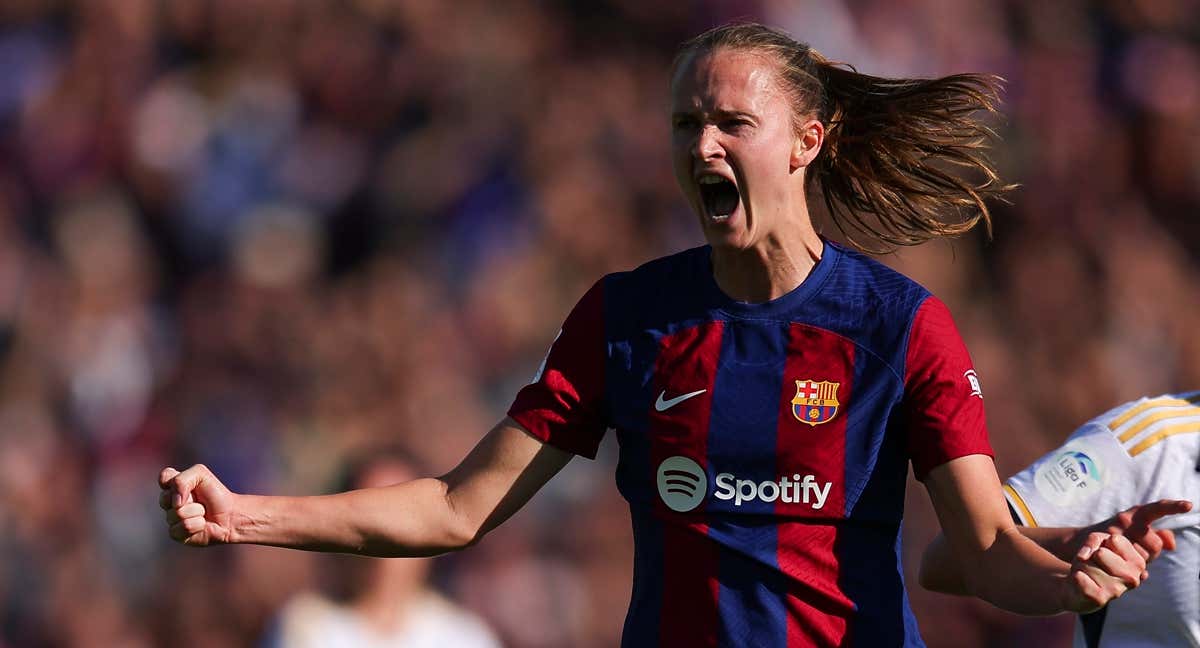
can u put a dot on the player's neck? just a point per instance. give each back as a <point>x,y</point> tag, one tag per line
<point>768,270</point>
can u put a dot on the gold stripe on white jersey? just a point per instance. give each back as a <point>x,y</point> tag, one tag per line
<point>1157,437</point>
<point>1132,422</point>
<point>1021,506</point>
<point>1155,417</point>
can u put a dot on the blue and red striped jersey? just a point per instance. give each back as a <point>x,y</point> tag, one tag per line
<point>764,447</point>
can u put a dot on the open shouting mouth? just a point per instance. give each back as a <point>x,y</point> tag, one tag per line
<point>719,195</point>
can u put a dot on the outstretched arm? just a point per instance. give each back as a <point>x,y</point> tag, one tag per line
<point>940,572</point>
<point>417,518</point>
<point>1010,570</point>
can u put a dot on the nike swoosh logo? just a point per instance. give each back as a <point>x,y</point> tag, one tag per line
<point>663,405</point>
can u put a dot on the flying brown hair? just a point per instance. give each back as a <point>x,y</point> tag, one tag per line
<point>904,160</point>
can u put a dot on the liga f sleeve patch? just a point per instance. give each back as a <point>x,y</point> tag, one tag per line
<point>943,399</point>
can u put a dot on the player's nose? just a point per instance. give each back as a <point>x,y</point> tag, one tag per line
<point>708,146</point>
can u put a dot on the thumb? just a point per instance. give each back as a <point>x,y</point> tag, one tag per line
<point>165,477</point>
<point>186,482</point>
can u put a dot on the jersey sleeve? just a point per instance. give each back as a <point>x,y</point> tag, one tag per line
<point>943,402</point>
<point>1092,477</point>
<point>564,405</point>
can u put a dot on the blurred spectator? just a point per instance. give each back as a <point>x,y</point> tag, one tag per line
<point>262,233</point>
<point>376,603</point>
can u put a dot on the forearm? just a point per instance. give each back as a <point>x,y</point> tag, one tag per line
<point>941,571</point>
<point>415,518</point>
<point>995,562</point>
<point>1017,575</point>
<point>1063,543</point>
<point>422,517</point>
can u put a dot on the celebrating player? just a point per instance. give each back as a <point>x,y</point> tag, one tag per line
<point>1141,451</point>
<point>768,390</point>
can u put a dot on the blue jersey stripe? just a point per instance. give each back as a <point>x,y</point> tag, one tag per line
<point>635,476</point>
<point>872,577</point>
<point>742,430</point>
<point>876,464</point>
<point>876,472</point>
<point>642,621</point>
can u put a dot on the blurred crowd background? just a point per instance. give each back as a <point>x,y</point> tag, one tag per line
<point>267,234</point>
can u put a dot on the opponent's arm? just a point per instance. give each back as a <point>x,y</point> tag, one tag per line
<point>940,572</point>
<point>417,518</point>
<point>1010,570</point>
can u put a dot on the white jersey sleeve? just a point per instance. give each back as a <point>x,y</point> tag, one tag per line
<point>1139,452</point>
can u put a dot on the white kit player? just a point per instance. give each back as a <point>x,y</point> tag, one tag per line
<point>1143,451</point>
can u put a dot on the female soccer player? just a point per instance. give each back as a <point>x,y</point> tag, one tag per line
<point>768,390</point>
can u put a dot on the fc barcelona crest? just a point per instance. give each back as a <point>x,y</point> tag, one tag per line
<point>815,402</point>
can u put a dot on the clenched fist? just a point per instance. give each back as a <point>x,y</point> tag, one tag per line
<point>198,507</point>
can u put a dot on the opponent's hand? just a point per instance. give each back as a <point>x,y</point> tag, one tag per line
<point>1106,566</point>
<point>1134,523</point>
<point>197,505</point>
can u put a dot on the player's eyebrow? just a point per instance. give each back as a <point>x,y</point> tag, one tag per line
<point>718,114</point>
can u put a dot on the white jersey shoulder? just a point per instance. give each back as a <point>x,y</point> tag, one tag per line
<point>1139,452</point>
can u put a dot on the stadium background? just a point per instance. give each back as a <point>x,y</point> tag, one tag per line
<point>262,233</point>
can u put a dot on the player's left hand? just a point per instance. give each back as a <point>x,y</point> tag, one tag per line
<point>1104,568</point>
<point>1134,524</point>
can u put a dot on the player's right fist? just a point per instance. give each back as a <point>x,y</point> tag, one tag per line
<point>198,507</point>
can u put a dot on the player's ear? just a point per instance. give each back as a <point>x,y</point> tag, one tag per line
<point>807,143</point>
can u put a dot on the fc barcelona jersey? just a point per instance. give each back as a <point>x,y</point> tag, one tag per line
<point>763,447</point>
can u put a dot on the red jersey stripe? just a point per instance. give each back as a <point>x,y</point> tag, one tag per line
<point>817,380</point>
<point>686,364</point>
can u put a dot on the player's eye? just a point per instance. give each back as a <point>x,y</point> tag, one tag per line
<point>684,123</point>
<point>734,125</point>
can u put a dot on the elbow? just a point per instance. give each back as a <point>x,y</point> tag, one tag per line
<point>926,578</point>
<point>927,574</point>
<point>941,571</point>
<point>464,534</point>
<point>936,580</point>
<point>930,580</point>
<point>462,529</point>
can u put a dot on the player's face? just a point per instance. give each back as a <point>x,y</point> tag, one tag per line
<point>733,144</point>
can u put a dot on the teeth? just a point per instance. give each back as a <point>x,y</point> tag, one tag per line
<point>711,179</point>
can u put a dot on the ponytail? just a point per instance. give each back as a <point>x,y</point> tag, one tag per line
<point>904,160</point>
